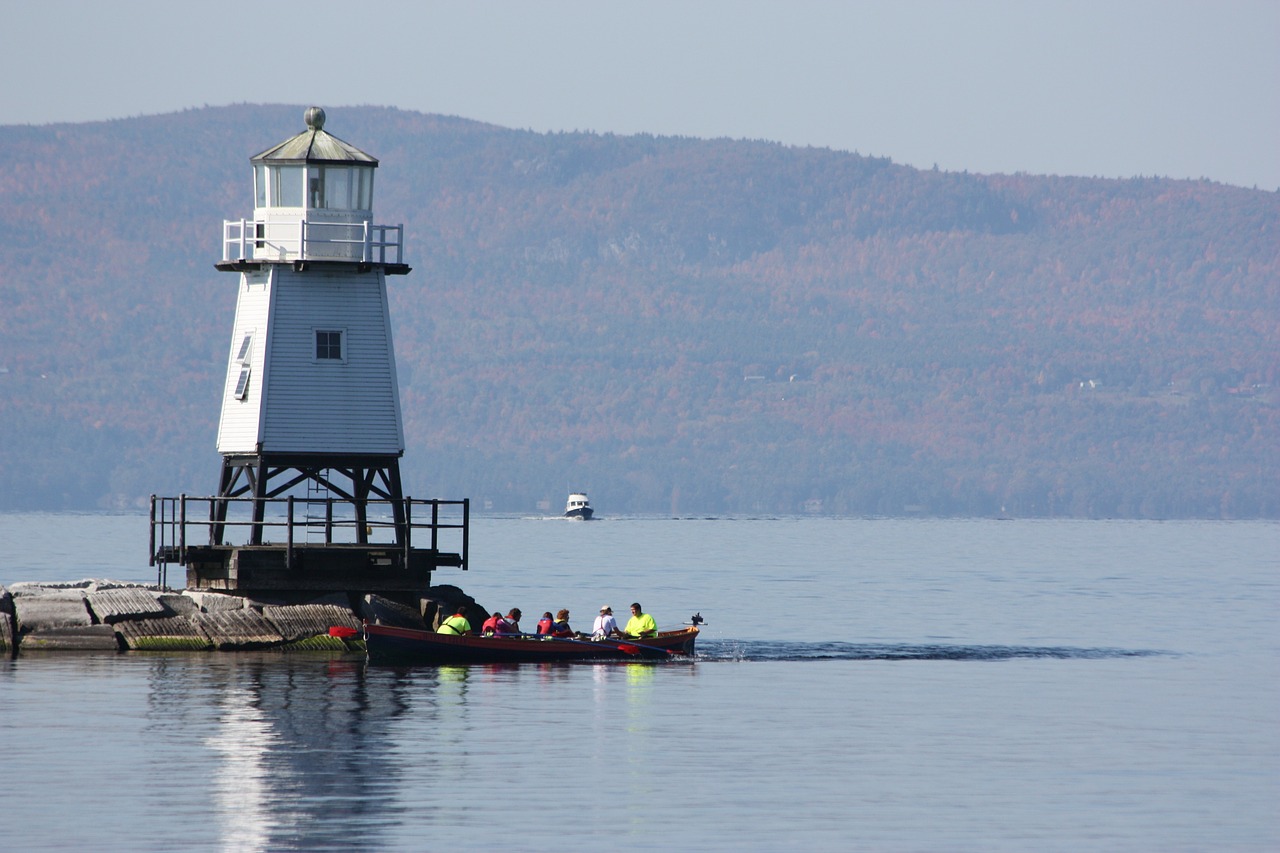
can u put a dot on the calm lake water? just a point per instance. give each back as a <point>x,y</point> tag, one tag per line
<point>880,685</point>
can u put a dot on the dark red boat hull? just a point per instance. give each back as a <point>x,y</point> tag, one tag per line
<point>387,644</point>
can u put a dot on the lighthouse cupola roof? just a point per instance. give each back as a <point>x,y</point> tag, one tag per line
<point>314,145</point>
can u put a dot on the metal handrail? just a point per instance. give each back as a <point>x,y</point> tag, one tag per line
<point>239,237</point>
<point>171,524</point>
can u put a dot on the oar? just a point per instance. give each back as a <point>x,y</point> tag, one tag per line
<point>634,648</point>
<point>342,631</point>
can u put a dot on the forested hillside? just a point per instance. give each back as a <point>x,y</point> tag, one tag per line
<point>675,325</point>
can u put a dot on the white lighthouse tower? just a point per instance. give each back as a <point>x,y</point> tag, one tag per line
<point>310,400</point>
<point>311,378</point>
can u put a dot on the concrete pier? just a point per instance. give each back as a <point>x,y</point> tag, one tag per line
<point>104,615</point>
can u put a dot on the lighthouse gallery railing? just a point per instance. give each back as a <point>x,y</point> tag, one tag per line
<point>303,240</point>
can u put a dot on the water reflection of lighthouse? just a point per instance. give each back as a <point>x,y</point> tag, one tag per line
<point>302,750</point>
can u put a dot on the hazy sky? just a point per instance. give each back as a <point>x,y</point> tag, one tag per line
<point>1115,88</point>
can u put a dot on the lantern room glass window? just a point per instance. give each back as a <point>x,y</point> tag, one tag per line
<point>339,188</point>
<point>259,186</point>
<point>362,188</point>
<point>286,185</point>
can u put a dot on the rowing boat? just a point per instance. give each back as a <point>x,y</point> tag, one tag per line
<point>389,644</point>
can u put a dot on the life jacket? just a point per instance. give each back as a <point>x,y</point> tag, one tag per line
<point>455,625</point>
<point>561,629</point>
<point>491,624</point>
<point>544,626</point>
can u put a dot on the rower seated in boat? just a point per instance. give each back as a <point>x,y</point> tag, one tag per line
<point>605,625</point>
<point>511,624</point>
<point>456,624</point>
<point>640,624</point>
<point>560,628</point>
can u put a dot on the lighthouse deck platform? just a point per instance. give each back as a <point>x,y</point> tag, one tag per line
<point>301,550</point>
<point>312,569</point>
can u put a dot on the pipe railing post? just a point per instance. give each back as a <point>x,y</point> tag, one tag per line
<point>408,529</point>
<point>182,530</point>
<point>151,557</point>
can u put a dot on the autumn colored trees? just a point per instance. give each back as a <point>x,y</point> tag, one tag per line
<point>677,325</point>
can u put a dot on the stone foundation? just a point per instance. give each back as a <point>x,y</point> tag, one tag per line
<point>104,615</point>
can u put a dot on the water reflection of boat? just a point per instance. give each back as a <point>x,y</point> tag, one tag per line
<point>578,507</point>
<point>389,644</point>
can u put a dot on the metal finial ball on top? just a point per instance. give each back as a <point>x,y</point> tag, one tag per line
<point>314,117</point>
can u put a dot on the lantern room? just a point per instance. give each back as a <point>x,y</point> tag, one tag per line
<point>313,200</point>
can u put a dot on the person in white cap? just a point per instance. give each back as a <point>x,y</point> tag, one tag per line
<point>605,625</point>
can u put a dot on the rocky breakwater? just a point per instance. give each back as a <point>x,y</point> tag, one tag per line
<point>103,615</point>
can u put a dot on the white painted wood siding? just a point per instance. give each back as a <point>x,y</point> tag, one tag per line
<point>240,424</point>
<point>320,406</point>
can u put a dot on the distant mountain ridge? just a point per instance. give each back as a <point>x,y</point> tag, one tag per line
<point>677,325</point>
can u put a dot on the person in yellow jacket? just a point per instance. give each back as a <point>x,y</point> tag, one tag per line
<point>640,624</point>
<point>457,623</point>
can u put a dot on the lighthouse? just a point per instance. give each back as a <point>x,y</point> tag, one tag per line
<point>310,432</point>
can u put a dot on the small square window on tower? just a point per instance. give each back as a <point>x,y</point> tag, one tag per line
<point>329,345</point>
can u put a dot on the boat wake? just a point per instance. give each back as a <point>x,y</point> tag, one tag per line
<point>760,650</point>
